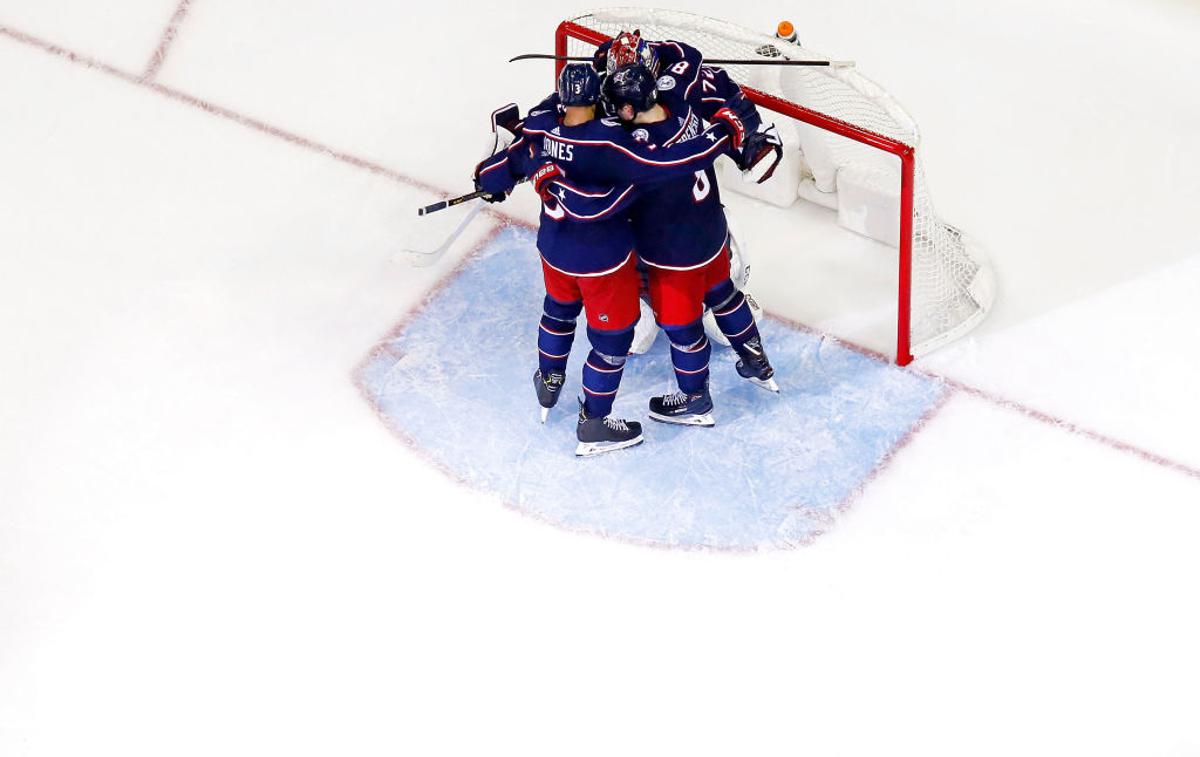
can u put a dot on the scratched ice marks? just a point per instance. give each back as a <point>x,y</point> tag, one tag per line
<point>775,471</point>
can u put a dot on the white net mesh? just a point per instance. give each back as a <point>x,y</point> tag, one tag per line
<point>951,283</point>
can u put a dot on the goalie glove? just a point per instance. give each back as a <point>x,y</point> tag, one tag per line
<point>508,117</point>
<point>755,150</point>
<point>506,128</point>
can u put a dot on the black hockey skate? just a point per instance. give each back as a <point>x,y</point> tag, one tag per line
<point>753,364</point>
<point>607,434</point>
<point>548,390</point>
<point>684,409</point>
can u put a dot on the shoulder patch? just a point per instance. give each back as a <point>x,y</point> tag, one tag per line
<point>610,122</point>
<point>641,135</point>
<point>666,83</point>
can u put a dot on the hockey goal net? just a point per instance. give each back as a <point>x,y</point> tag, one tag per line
<point>850,147</point>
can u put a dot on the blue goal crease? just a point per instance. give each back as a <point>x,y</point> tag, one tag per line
<point>456,380</point>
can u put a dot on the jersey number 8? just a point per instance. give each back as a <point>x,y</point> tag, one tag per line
<point>701,187</point>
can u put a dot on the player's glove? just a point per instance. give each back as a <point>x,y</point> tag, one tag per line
<point>492,176</point>
<point>544,178</point>
<point>733,126</point>
<point>757,147</point>
<point>740,115</point>
<point>493,197</point>
<point>745,110</point>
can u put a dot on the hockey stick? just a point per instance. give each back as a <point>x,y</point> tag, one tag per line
<point>422,259</point>
<point>506,118</point>
<point>714,61</point>
<point>450,203</point>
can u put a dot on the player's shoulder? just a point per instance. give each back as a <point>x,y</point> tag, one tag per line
<point>541,120</point>
<point>607,129</point>
<point>544,115</point>
<point>671,51</point>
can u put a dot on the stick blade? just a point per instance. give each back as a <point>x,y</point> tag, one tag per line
<point>431,240</point>
<point>415,258</point>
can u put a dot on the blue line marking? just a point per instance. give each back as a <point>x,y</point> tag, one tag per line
<point>457,381</point>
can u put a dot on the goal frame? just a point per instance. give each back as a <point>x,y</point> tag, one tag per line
<point>906,153</point>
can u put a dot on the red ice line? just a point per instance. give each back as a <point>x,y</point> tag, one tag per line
<point>217,110</point>
<point>886,461</point>
<point>146,81</point>
<point>1004,402</point>
<point>168,36</point>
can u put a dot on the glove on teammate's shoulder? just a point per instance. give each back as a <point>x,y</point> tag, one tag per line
<point>733,126</point>
<point>544,178</point>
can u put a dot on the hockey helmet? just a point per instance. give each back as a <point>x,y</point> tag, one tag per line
<point>631,85</point>
<point>578,84</point>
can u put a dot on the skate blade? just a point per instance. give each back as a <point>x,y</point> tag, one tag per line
<point>704,419</point>
<point>768,384</point>
<point>588,449</point>
<point>545,414</point>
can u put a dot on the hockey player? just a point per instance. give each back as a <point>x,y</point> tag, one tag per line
<point>679,226</point>
<point>584,170</point>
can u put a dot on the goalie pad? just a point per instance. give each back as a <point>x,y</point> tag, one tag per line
<point>739,273</point>
<point>646,330</point>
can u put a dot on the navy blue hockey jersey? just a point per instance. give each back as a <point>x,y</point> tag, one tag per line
<point>584,225</point>
<point>680,224</point>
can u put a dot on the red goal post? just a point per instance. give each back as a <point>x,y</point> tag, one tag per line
<point>597,27</point>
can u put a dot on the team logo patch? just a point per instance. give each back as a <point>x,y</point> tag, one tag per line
<point>666,83</point>
<point>641,135</point>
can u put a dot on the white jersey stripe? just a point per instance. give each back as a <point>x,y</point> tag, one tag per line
<point>614,269</point>
<point>604,370</point>
<point>602,142</point>
<point>685,267</point>
<point>612,207</point>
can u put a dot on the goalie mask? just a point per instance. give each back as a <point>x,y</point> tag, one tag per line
<point>629,48</point>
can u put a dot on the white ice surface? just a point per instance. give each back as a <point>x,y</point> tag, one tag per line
<point>209,545</point>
